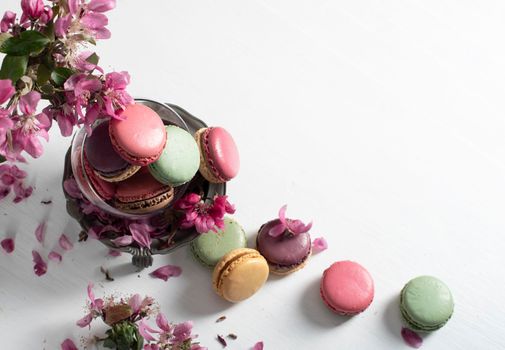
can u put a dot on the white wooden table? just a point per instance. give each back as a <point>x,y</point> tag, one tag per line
<point>383,121</point>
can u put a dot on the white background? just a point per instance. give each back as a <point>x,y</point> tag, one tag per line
<point>383,121</point>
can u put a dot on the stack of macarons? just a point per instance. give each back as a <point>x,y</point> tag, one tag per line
<point>137,163</point>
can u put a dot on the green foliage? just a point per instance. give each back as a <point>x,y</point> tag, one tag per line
<point>43,74</point>
<point>60,75</point>
<point>2,159</point>
<point>124,336</point>
<point>93,59</point>
<point>13,67</point>
<point>29,42</point>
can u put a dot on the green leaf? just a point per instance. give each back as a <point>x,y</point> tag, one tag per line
<point>49,30</point>
<point>4,37</point>
<point>43,74</point>
<point>13,67</point>
<point>2,159</point>
<point>109,343</point>
<point>93,59</point>
<point>27,43</point>
<point>60,75</point>
<point>140,340</point>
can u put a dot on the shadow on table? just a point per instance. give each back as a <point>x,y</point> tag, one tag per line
<point>315,309</point>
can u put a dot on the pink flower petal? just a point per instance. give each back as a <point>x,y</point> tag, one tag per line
<point>282,214</point>
<point>297,227</point>
<point>182,331</point>
<point>114,253</point>
<point>40,266</point>
<point>4,191</point>
<point>258,346</point>
<point>68,344</point>
<point>40,232</point>
<point>277,230</point>
<point>167,271</point>
<point>101,5</point>
<point>6,89</point>
<point>123,241</point>
<point>162,323</point>
<point>146,331</point>
<point>65,243</point>
<point>55,256</point>
<point>94,20</point>
<point>28,103</point>
<point>411,338</point>
<point>85,321</point>
<point>140,234</point>
<point>135,302</point>
<point>8,245</point>
<point>72,189</point>
<point>319,245</point>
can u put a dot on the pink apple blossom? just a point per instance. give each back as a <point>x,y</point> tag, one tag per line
<point>7,21</point>
<point>204,216</point>
<point>32,9</point>
<point>115,97</point>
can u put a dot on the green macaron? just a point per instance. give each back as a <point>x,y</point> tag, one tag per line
<point>211,246</point>
<point>179,160</point>
<point>426,304</point>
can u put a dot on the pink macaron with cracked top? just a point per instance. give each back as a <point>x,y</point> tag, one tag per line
<point>140,137</point>
<point>347,288</point>
<point>219,158</point>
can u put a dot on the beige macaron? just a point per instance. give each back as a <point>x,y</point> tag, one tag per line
<point>240,274</point>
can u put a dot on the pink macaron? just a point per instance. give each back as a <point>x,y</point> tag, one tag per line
<point>140,137</point>
<point>219,158</point>
<point>347,288</point>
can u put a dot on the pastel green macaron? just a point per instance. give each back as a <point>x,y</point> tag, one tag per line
<point>426,304</point>
<point>179,160</point>
<point>210,247</point>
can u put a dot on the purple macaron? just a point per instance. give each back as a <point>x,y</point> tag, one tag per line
<point>285,253</point>
<point>102,157</point>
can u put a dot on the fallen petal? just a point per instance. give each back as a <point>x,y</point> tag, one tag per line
<point>167,271</point>
<point>72,189</point>
<point>65,243</point>
<point>123,241</point>
<point>411,338</point>
<point>68,344</point>
<point>40,232</point>
<point>258,346</point>
<point>277,230</point>
<point>85,321</point>
<point>114,253</point>
<point>282,213</point>
<point>8,245</point>
<point>297,227</point>
<point>319,245</point>
<point>55,256</point>
<point>40,266</point>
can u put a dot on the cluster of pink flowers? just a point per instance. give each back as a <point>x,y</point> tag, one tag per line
<point>78,90</point>
<point>203,215</point>
<point>124,314</point>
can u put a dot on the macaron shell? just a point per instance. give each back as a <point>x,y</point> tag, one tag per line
<point>141,193</point>
<point>180,159</point>
<point>283,250</point>
<point>103,189</point>
<point>240,274</point>
<point>426,303</point>
<point>210,247</point>
<point>347,287</point>
<point>220,153</point>
<point>141,137</point>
